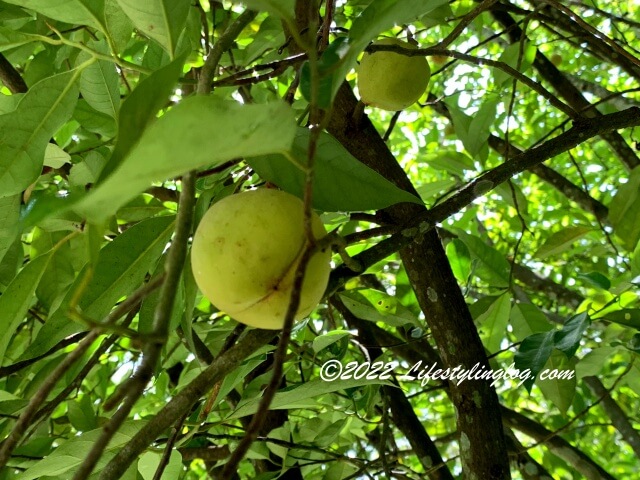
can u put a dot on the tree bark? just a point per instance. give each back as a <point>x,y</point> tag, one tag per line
<point>482,445</point>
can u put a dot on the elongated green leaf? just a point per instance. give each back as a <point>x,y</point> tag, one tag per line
<point>494,267</point>
<point>624,211</point>
<point>460,259</point>
<point>25,132</point>
<point>83,12</point>
<point>323,341</point>
<point>162,20</point>
<point>341,183</point>
<point>594,361</point>
<point>533,354</point>
<point>479,127</point>
<point>17,299</point>
<point>282,8</point>
<point>528,319</point>
<point>10,264</point>
<point>120,269</point>
<point>198,132</point>
<point>629,317</point>
<point>561,241</point>
<point>99,85</point>
<point>362,307</point>
<point>308,392</point>
<point>9,216</point>
<point>11,39</point>
<point>59,274</point>
<point>568,339</point>
<point>66,458</point>
<point>559,391</point>
<point>493,323</point>
<point>140,108</point>
<point>118,25</point>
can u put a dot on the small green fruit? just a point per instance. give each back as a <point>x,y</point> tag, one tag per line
<point>392,81</point>
<point>245,253</point>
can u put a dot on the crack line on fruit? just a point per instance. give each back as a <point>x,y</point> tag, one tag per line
<point>275,286</point>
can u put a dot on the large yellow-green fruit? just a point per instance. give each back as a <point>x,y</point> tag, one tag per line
<point>245,253</point>
<point>392,81</point>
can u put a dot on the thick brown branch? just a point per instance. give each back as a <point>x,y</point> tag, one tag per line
<point>10,76</point>
<point>556,444</point>
<point>425,221</point>
<point>439,297</point>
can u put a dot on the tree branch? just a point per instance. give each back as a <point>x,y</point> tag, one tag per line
<point>134,386</point>
<point>10,77</point>
<point>425,221</point>
<point>184,400</point>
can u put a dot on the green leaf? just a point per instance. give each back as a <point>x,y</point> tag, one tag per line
<point>302,395</point>
<point>162,20</point>
<point>341,183</point>
<point>323,341</point>
<point>363,308</point>
<point>567,340</point>
<point>594,361</point>
<point>436,188</point>
<point>510,57</point>
<point>83,12</point>
<point>282,8</point>
<point>528,319</point>
<point>494,267</point>
<point>59,274</point>
<point>25,132</point>
<point>624,211</point>
<point>67,457</point>
<point>479,127</point>
<point>493,323</point>
<point>629,317</point>
<point>55,157</point>
<point>459,259</point>
<point>10,264</point>
<point>100,84</point>
<point>199,131</point>
<point>561,241</point>
<point>560,391</point>
<point>120,269</point>
<point>456,163</point>
<point>11,39</point>
<point>596,279</point>
<point>138,111</point>
<point>9,217</point>
<point>149,462</point>
<point>81,414</point>
<point>533,354</point>
<point>118,26</point>
<point>332,56</point>
<point>17,298</point>
<point>340,470</point>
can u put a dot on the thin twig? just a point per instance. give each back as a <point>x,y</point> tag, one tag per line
<point>222,45</point>
<point>26,417</point>
<point>151,353</point>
